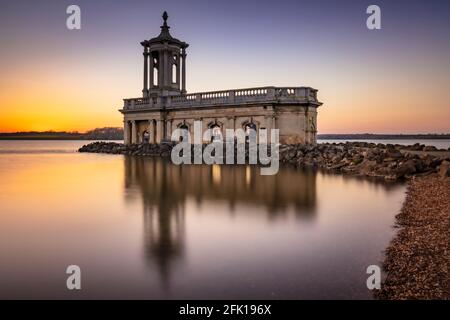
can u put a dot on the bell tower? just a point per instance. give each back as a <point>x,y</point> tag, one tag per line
<point>164,64</point>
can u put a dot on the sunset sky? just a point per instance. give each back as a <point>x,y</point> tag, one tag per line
<point>393,80</point>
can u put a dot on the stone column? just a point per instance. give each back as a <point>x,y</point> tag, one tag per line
<point>268,120</point>
<point>178,71</point>
<point>160,69</point>
<point>159,131</point>
<point>126,132</point>
<point>183,71</point>
<point>133,131</point>
<point>307,127</point>
<point>274,126</point>
<point>166,66</point>
<point>191,130</point>
<point>230,125</point>
<point>311,129</point>
<point>169,129</point>
<point>145,90</point>
<point>152,66</point>
<point>151,131</point>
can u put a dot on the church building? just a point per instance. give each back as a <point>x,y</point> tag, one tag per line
<point>165,105</point>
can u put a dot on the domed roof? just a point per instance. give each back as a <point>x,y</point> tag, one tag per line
<point>165,35</point>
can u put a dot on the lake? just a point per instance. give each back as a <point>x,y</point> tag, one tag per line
<point>145,228</point>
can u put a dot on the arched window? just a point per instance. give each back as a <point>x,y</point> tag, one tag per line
<point>155,76</point>
<point>248,127</point>
<point>184,132</point>
<point>250,132</point>
<point>174,73</point>
<point>216,133</point>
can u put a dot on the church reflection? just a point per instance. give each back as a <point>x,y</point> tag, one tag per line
<point>164,189</point>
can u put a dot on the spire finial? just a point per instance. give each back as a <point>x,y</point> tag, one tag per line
<point>165,16</point>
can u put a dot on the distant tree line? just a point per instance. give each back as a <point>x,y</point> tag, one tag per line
<point>374,136</point>
<point>107,133</point>
<point>113,133</point>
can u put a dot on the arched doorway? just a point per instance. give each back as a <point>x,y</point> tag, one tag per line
<point>250,130</point>
<point>248,127</point>
<point>145,137</point>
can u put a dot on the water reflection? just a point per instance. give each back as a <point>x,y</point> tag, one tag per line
<point>165,188</point>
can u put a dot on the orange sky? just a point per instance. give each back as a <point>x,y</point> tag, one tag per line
<point>79,97</point>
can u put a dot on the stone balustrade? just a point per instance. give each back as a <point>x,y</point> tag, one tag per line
<point>295,95</point>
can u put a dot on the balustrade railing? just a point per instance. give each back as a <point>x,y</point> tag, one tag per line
<point>227,97</point>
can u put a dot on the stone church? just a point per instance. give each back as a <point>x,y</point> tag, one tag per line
<point>165,105</point>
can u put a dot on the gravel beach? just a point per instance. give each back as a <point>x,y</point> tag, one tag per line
<point>417,260</point>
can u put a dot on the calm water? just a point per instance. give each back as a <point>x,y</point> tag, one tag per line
<point>144,228</point>
<point>438,143</point>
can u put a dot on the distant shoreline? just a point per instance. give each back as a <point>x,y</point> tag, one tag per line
<point>107,133</point>
<point>117,134</point>
<point>370,136</point>
<point>56,138</point>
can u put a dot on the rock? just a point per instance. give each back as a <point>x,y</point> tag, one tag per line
<point>394,153</point>
<point>337,166</point>
<point>291,155</point>
<point>429,148</point>
<point>367,166</point>
<point>444,169</point>
<point>405,168</point>
<point>390,177</point>
<point>390,147</point>
<point>357,159</point>
<point>419,165</point>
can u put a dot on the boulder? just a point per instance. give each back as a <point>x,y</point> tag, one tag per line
<point>429,148</point>
<point>444,169</point>
<point>337,166</point>
<point>394,153</point>
<point>367,166</point>
<point>405,169</point>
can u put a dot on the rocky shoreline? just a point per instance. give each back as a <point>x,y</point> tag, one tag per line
<point>389,162</point>
<point>417,260</point>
